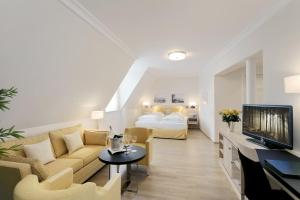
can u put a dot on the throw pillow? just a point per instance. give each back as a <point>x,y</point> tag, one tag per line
<point>73,141</point>
<point>41,151</point>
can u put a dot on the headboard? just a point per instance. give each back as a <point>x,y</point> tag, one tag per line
<point>167,109</point>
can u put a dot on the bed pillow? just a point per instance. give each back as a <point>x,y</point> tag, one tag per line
<point>177,114</point>
<point>173,117</point>
<point>160,114</point>
<point>150,117</point>
<point>73,141</point>
<point>41,151</point>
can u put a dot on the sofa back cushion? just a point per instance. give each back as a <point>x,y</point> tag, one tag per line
<point>57,139</point>
<point>95,137</point>
<point>22,142</point>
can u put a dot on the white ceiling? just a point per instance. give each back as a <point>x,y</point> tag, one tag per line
<point>150,28</point>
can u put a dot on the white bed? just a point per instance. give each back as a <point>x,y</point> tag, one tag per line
<point>172,126</point>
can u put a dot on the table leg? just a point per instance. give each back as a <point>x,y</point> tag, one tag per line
<point>109,172</point>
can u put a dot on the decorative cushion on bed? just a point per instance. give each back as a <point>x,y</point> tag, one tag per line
<point>41,151</point>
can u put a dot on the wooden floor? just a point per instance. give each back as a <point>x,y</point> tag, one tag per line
<point>181,169</point>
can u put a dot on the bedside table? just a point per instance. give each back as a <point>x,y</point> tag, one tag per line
<point>193,122</point>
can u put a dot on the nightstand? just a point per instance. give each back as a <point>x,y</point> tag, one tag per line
<point>193,122</point>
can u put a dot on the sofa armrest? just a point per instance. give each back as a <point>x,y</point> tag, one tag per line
<point>23,168</point>
<point>61,180</point>
<point>111,190</point>
<point>95,137</point>
<point>149,144</point>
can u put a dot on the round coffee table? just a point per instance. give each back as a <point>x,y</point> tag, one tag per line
<point>134,154</point>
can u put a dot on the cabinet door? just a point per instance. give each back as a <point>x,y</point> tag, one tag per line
<point>227,156</point>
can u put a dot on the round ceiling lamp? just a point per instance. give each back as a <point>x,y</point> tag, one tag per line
<point>177,55</point>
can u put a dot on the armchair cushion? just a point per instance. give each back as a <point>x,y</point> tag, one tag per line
<point>94,137</point>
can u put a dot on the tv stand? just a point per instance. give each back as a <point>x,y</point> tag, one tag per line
<point>262,143</point>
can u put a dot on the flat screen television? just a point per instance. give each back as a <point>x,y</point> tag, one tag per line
<point>270,125</point>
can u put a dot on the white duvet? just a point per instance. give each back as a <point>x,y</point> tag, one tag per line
<point>154,120</point>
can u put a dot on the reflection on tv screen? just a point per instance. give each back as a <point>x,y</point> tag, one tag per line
<point>268,122</point>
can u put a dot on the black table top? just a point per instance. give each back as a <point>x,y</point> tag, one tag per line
<point>134,155</point>
<point>292,184</point>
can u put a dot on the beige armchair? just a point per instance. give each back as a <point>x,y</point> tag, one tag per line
<point>144,139</point>
<point>61,187</point>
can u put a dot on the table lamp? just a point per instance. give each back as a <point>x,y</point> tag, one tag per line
<point>97,115</point>
<point>292,84</point>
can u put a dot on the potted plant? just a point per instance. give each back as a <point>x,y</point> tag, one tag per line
<point>5,96</point>
<point>230,116</point>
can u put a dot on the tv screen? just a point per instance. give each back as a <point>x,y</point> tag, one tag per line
<point>271,124</point>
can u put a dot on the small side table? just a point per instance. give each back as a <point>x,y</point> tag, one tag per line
<point>134,155</point>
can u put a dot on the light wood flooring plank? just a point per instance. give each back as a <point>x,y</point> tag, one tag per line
<point>180,170</point>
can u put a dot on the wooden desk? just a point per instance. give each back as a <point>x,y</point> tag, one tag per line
<point>290,185</point>
<point>230,142</point>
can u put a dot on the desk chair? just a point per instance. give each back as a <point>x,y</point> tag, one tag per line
<point>256,184</point>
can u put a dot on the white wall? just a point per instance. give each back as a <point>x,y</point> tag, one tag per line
<point>279,41</point>
<point>63,68</point>
<point>188,86</point>
<point>229,93</point>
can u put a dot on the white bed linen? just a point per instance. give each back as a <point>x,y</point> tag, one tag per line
<point>168,123</point>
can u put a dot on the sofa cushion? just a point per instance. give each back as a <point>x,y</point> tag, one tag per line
<point>95,137</point>
<point>73,141</point>
<point>62,163</point>
<point>88,153</point>
<point>58,142</point>
<point>41,151</point>
<point>37,167</point>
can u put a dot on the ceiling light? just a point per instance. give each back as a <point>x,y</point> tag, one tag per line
<point>177,55</point>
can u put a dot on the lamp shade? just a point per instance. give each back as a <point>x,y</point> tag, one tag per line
<point>97,114</point>
<point>292,84</point>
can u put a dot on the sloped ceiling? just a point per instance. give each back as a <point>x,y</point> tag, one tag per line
<point>62,67</point>
<point>151,28</point>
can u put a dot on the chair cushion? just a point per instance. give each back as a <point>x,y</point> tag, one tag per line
<point>88,153</point>
<point>58,142</point>
<point>62,163</point>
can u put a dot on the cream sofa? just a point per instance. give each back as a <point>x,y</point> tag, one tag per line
<point>84,161</point>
